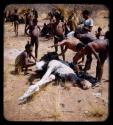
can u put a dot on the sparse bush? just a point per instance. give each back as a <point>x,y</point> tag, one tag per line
<point>66,87</point>
<point>96,111</point>
<point>55,115</point>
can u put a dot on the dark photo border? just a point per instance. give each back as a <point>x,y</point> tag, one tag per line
<point>109,120</point>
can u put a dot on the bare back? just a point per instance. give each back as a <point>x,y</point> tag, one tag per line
<point>71,43</point>
<point>99,45</point>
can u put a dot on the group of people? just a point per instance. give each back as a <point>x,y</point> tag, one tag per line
<point>31,29</point>
<point>82,41</point>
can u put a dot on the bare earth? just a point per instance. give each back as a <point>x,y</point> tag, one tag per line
<point>52,103</point>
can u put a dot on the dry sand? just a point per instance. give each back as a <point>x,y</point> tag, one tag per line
<point>52,103</point>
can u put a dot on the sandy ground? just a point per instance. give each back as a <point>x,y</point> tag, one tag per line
<point>52,103</point>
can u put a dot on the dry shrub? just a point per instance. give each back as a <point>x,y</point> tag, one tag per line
<point>21,10</point>
<point>67,88</point>
<point>96,111</point>
<point>66,11</point>
<point>55,115</point>
<point>102,13</point>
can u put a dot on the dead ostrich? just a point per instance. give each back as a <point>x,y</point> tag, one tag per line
<point>53,67</point>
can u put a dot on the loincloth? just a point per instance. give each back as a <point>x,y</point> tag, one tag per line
<point>59,38</point>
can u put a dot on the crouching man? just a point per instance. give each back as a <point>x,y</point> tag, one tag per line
<point>23,60</point>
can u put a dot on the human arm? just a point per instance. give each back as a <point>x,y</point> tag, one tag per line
<point>33,57</point>
<point>58,44</point>
<point>78,56</point>
<point>63,27</point>
<point>81,60</point>
<point>28,28</point>
<point>89,29</point>
<point>27,63</point>
<point>88,25</point>
<point>63,51</point>
<point>38,27</point>
<point>91,48</point>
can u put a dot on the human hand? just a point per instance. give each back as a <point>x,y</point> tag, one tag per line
<point>51,46</point>
<point>78,35</point>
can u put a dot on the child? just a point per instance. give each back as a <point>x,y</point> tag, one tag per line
<point>98,32</point>
<point>34,34</point>
<point>16,21</point>
<point>23,59</point>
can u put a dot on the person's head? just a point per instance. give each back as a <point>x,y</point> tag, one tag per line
<point>28,47</point>
<point>15,10</point>
<point>28,10</point>
<point>86,14</point>
<point>99,29</point>
<point>35,21</point>
<point>54,19</point>
<point>80,47</point>
<point>60,21</point>
<point>44,24</point>
<point>107,35</point>
<point>62,18</point>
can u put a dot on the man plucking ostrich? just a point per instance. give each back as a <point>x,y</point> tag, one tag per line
<point>54,67</point>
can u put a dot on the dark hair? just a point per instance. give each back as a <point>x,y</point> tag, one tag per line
<point>75,34</point>
<point>86,12</point>
<point>28,45</point>
<point>99,29</point>
<point>49,56</point>
<point>15,10</point>
<point>80,46</point>
<point>35,20</point>
<point>107,34</point>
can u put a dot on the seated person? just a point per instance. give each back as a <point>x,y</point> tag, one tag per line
<point>87,23</point>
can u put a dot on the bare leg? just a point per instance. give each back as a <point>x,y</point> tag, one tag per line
<point>55,42</point>
<point>25,29</point>
<point>17,29</point>
<point>99,69</point>
<point>36,48</point>
<point>88,62</point>
<point>99,72</point>
<point>63,55</point>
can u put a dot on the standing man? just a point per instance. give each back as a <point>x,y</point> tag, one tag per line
<point>34,34</point>
<point>16,21</point>
<point>59,31</point>
<point>35,13</point>
<point>28,20</point>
